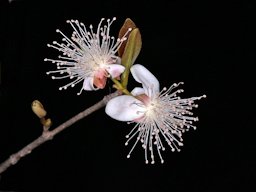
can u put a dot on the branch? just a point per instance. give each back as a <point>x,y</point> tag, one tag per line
<point>48,135</point>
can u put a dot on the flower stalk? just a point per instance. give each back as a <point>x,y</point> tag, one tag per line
<point>120,87</point>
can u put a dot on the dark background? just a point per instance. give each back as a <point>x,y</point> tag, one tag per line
<point>210,45</point>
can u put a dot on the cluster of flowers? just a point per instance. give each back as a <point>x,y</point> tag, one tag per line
<point>90,57</point>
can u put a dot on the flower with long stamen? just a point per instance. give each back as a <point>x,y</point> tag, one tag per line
<point>88,56</point>
<point>158,115</point>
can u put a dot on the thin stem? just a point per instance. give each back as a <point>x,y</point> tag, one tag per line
<point>120,87</point>
<point>48,135</point>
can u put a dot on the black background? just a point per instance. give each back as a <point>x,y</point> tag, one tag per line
<point>210,45</point>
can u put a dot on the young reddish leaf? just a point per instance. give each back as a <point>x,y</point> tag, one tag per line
<point>128,23</point>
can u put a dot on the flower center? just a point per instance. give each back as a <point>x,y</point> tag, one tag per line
<point>153,108</point>
<point>152,105</point>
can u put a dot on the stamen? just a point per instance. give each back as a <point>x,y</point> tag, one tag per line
<point>166,116</point>
<point>85,52</point>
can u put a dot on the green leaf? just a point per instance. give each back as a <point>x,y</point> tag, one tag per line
<point>130,54</point>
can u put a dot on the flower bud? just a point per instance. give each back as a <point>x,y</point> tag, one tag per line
<point>46,122</point>
<point>38,109</point>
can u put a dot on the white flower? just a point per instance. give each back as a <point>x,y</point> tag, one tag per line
<point>88,56</point>
<point>158,115</point>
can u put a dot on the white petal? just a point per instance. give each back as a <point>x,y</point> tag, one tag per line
<point>88,84</point>
<point>115,70</point>
<point>137,91</point>
<point>125,108</point>
<point>148,80</point>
